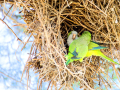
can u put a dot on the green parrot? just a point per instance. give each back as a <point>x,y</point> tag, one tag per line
<point>78,48</point>
<point>93,48</point>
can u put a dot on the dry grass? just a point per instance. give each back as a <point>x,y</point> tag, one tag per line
<point>49,21</point>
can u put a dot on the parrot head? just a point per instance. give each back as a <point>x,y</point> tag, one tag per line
<point>74,33</point>
<point>86,33</point>
<point>71,36</point>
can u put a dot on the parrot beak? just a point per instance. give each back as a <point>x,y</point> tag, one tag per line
<point>74,36</point>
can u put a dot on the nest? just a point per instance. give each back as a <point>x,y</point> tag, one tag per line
<point>49,22</point>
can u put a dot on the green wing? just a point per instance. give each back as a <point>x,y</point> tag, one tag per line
<point>95,45</point>
<point>94,49</point>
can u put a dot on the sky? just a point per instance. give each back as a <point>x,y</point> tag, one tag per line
<point>12,59</point>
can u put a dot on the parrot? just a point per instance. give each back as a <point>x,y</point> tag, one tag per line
<point>78,48</point>
<point>93,47</point>
<point>71,36</point>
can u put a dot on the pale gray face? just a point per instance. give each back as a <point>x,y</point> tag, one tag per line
<point>74,32</point>
<point>72,37</point>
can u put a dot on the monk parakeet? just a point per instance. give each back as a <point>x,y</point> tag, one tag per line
<point>78,48</point>
<point>93,48</point>
<point>71,36</point>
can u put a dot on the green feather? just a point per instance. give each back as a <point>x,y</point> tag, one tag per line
<point>79,48</point>
<point>69,34</point>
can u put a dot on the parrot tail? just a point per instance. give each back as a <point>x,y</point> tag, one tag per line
<point>107,58</point>
<point>68,61</point>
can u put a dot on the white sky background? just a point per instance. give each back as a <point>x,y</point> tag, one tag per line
<point>11,64</point>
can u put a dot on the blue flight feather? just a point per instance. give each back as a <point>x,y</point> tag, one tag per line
<point>99,47</point>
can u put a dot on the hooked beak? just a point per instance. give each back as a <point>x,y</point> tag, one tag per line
<point>74,36</point>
